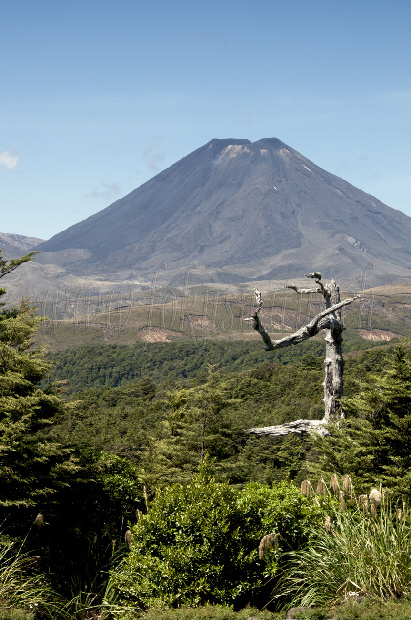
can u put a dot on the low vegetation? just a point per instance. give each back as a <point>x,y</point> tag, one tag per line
<point>144,497</point>
<point>360,556</point>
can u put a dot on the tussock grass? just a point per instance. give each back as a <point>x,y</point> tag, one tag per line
<point>360,555</point>
<point>22,588</point>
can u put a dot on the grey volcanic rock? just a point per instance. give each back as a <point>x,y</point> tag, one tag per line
<point>241,211</point>
<point>14,246</point>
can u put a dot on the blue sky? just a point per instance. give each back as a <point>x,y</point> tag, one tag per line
<point>98,96</point>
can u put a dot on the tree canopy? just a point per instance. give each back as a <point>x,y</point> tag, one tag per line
<point>373,446</point>
<point>32,464</point>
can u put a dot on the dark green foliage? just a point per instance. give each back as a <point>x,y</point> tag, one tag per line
<point>374,443</point>
<point>120,480</point>
<point>33,465</point>
<point>114,365</point>
<point>83,499</point>
<point>87,523</point>
<point>165,428</point>
<point>39,474</point>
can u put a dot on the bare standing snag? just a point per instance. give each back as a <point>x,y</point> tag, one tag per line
<point>329,320</point>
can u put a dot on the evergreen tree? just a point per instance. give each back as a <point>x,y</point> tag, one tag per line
<point>83,499</point>
<point>374,444</point>
<point>32,464</point>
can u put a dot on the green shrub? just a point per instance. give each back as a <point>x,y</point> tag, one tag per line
<point>199,543</point>
<point>194,546</point>
<point>285,511</point>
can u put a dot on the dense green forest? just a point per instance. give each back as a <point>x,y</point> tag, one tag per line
<point>167,426</point>
<point>113,365</point>
<point>130,487</point>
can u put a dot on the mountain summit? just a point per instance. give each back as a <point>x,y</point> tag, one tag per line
<point>240,210</point>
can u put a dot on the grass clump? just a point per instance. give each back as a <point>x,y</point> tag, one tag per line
<point>22,587</point>
<point>361,555</point>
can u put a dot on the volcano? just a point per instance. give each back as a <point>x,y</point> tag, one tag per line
<point>239,211</point>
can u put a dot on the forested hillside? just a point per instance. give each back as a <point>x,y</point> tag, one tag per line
<point>114,365</point>
<point>167,426</point>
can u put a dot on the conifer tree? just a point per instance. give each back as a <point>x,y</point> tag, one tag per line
<point>373,446</point>
<point>32,464</point>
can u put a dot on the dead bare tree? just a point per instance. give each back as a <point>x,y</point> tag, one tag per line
<point>329,320</point>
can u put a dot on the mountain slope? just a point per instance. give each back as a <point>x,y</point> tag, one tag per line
<point>240,211</point>
<point>14,246</point>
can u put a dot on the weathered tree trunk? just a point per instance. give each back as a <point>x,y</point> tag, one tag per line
<point>330,320</point>
<point>333,382</point>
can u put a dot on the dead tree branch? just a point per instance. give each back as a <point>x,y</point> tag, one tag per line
<point>297,427</point>
<point>308,331</point>
<point>329,320</point>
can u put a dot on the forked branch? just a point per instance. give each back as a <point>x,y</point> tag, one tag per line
<point>308,331</point>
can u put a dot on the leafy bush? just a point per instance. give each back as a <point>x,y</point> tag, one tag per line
<point>194,546</point>
<point>284,510</point>
<point>198,544</point>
